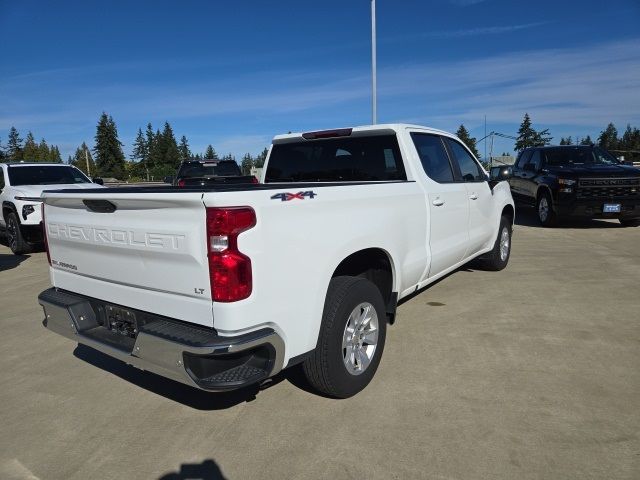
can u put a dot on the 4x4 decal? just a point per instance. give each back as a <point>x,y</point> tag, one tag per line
<point>285,197</point>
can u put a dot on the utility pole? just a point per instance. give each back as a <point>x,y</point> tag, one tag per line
<point>86,159</point>
<point>374,100</point>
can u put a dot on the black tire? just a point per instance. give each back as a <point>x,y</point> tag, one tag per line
<point>494,260</point>
<point>550,219</point>
<point>16,241</point>
<point>325,369</point>
<point>630,222</point>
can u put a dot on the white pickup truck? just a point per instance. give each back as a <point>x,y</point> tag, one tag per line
<point>21,185</point>
<point>221,287</point>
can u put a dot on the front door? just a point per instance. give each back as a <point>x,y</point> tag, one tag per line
<point>448,205</point>
<point>482,225</point>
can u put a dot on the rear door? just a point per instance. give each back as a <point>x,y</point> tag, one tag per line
<point>447,201</point>
<point>139,250</point>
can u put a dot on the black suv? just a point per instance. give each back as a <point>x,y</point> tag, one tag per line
<point>576,181</point>
<point>207,173</point>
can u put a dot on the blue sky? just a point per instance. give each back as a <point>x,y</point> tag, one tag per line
<point>234,74</point>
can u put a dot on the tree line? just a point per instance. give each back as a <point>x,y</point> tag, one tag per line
<point>28,150</point>
<point>627,145</point>
<point>155,153</point>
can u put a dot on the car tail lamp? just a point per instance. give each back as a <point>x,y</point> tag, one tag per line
<point>44,235</point>
<point>181,183</point>
<point>229,269</point>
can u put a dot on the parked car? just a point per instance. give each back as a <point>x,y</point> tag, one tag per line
<point>576,181</point>
<point>223,286</point>
<point>20,187</point>
<point>208,172</point>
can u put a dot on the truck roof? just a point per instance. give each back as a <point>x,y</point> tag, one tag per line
<point>363,129</point>
<point>21,163</point>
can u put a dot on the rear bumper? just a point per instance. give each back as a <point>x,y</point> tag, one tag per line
<point>189,354</point>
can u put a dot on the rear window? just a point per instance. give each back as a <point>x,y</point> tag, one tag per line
<point>345,159</point>
<point>209,169</point>
<point>45,175</point>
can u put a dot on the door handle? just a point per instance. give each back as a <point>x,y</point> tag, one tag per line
<point>473,196</point>
<point>438,202</point>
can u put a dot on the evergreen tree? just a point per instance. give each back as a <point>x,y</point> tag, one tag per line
<point>108,149</point>
<point>171,155</point>
<point>529,137</point>
<point>210,154</point>
<point>2,153</point>
<point>261,158</point>
<point>152,147</point>
<point>30,152</point>
<point>14,145</point>
<point>247,164</point>
<point>80,159</point>
<point>140,151</point>
<point>55,154</point>
<point>566,141</point>
<point>586,141</point>
<point>608,138</point>
<point>183,149</point>
<point>44,153</point>
<point>468,140</point>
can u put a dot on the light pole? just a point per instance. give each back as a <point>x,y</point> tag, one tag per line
<point>374,107</point>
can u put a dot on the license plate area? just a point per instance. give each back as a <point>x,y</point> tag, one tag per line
<point>611,208</point>
<point>120,320</point>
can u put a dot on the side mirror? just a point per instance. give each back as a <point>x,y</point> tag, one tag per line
<point>500,174</point>
<point>168,179</point>
<point>98,180</point>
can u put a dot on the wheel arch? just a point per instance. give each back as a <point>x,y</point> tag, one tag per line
<point>376,265</point>
<point>7,208</point>
<point>509,211</point>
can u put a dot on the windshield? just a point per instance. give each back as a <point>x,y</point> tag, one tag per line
<point>45,175</point>
<point>579,156</point>
<point>208,169</point>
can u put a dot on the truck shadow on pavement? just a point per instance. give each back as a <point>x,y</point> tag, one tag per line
<point>184,394</point>
<point>527,217</point>
<point>207,470</point>
<point>9,261</point>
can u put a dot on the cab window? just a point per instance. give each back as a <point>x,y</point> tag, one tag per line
<point>433,157</point>
<point>470,171</point>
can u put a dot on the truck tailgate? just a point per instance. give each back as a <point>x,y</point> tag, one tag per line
<point>140,250</point>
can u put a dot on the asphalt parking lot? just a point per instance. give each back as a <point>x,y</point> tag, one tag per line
<point>529,373</point>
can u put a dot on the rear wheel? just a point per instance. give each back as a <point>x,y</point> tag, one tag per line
<point>351,338</point>
<point>544,207</point>
<point>16,241</point>
<point>630,222</point>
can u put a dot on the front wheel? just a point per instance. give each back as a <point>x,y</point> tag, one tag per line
<point>16,241</point>
<point>498,258</point>
<point>351,338</point>
<point>546,215</point>
<point>630,222</point>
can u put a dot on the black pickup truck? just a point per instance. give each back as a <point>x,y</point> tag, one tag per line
<point>201,173</point>
<point>576,181</point>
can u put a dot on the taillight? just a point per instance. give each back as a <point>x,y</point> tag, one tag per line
<point>229,269</point>
<point>181,183</point>
<point>44,235</point>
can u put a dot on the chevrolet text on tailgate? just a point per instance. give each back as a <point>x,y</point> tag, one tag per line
<point>223,286</point>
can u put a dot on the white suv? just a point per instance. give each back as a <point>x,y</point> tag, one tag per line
<point>20,187</point>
